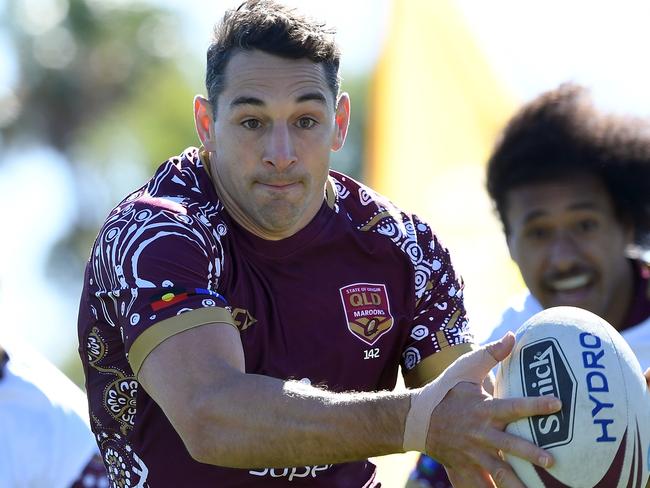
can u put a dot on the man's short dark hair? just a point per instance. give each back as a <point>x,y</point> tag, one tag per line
<point>275,29</point>
<point>561,134</point>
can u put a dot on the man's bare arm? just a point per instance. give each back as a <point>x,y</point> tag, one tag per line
<point>229,418</point>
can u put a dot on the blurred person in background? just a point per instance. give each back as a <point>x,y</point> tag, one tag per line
<point>45,438</point>
<point>571,186</point>
<point>246,271</point>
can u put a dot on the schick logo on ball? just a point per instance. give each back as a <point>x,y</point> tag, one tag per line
<point>545,371</point>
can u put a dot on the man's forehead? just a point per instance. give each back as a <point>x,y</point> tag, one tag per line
<point>526,202</point>
<point>259,75</point>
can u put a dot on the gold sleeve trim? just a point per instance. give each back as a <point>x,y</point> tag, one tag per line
<point>432,366</point>
<point>163,330</point>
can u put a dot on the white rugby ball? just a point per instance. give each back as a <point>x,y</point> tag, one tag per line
<point>601,436</point>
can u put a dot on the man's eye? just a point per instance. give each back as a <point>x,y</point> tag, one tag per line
<point>306,123</point>
<point>251,124</point>
<point>587,225</point>
<point>538,233</point>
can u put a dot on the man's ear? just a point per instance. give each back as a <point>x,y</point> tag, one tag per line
<point>341,121</point>
<point>204,123</point>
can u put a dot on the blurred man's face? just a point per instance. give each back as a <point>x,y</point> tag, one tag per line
<point>276,124</point>
<point>570,247</point>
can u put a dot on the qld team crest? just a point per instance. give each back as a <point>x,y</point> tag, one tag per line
<point>367,310</point>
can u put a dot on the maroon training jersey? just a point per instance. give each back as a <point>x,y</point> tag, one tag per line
<point>360,290</point>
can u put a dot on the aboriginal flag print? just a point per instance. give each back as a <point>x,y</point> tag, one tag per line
<point>172,296</point>
<point>367,310</point>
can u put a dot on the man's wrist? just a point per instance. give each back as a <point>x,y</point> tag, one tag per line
<point>418,418</point>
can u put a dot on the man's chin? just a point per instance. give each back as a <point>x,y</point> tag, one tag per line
<point>279,221</point>
<point>582,298</point>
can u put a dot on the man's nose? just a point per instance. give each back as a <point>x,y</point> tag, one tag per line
<point>280,149</point>
<point>563,251</point>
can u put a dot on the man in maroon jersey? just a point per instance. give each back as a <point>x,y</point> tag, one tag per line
<point>244,309</point>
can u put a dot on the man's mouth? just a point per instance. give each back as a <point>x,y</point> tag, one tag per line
<point>279,185</point>
<point>576,289</point>
<point>573,289</point>
<point>569,283</point>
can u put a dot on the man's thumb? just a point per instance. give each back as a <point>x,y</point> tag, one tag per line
<point>476,365</point>
<point>501,348</point>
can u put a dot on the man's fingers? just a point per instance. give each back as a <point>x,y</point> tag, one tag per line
<point>476,365</point>
<point>516,446</point>
<point>508,410</point>
<point>493,472</point>
<point>501,348</point>
<point>501,472</point>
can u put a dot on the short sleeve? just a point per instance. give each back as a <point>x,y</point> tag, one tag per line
<point>155,272</point>
<point>440,319</point>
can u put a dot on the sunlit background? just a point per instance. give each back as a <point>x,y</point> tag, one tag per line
<point>94,94</point>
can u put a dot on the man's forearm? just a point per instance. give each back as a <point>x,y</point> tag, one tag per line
<point>256,421</point>
<point>227,417</point>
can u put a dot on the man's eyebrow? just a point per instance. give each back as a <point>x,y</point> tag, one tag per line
<point>312,96</point>
<point>530,216</point>
<point>574,206</point>
<point>307,97</point>
<point>244,100</point>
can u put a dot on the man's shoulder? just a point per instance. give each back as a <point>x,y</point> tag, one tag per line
<point>175,212</point>
<point>638,332</point>
<point>179,183</point>
<point>369,209</point>
<point>638,337</point>
<point>397,235</point>
<point>349,187</point>
<point>180,193</point>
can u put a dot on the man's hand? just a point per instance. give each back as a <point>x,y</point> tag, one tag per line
<point>466,432</point>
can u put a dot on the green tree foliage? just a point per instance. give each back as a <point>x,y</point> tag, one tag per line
<point>76,59</point>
